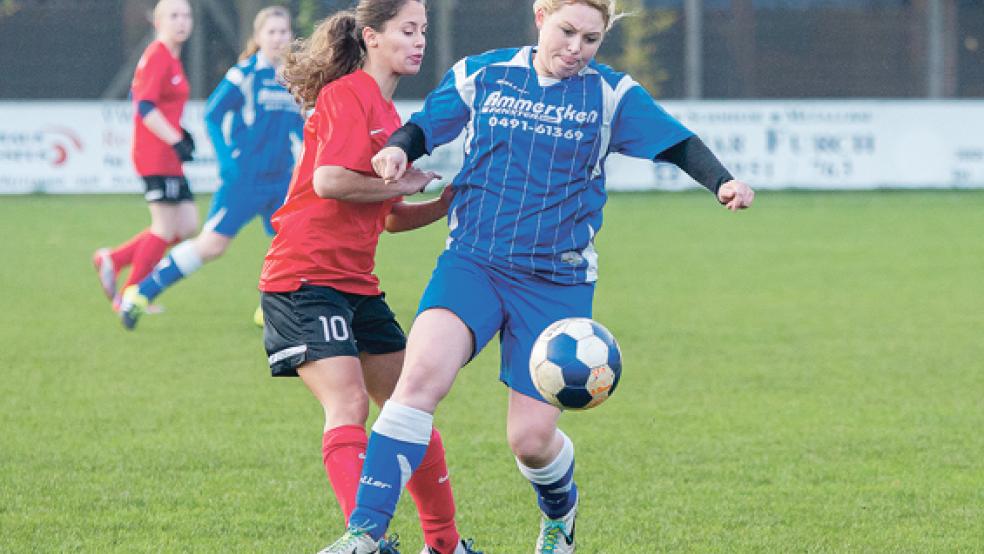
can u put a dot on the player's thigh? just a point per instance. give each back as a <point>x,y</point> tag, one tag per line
<point>338,385</point>
<point>187,219</point>
<point>439,345</point>
<point>465,288</point>
<point>531,306</point>
<point>380,373</point>
<point>164,219</point>
<point>311,323</point>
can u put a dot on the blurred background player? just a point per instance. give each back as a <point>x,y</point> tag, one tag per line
<point>160,90</point>
<point>326,319</point>
<point>255,158</point>
<point>539,122</point>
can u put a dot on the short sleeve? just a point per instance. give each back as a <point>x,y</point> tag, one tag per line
<point>643,129</point>
<point>151,73</point>
<point>342,130</point>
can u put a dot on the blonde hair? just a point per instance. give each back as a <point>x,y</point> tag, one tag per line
<point>161,5</point>
<point>335,48</point>
<point>607,8</point>
<point>258,22</point>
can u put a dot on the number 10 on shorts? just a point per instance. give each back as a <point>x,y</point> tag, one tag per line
<point>334,328</point>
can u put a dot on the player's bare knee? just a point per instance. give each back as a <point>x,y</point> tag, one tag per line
<point>186,232</point>
<point>531,443</point>
<point>209,250</point>
<point>349,409</point>
<point>418,393</point>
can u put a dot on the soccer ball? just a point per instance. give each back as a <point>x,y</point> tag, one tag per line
<point>575,363</point>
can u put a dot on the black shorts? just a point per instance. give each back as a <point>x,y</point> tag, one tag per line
<point>316,322</point>
<point>167,189</point>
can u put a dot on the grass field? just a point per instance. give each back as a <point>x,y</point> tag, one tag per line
<point>807,376</point>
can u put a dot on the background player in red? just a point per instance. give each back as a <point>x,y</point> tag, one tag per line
<point>253,121</point>
<point>326,319</point>
<point>160,90</point>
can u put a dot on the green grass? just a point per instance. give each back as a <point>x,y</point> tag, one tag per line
<point>803,377</point>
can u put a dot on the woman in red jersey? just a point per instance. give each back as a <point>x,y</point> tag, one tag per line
<point>326,319</point>
<point>160,90</point>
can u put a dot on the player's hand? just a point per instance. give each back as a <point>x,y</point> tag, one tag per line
<point>185,148</point>
<point>736,195</point>
<point>390,163</point>
<point>415,180</point>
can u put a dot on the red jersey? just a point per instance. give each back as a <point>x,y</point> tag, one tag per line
<point>160,79</point>
<point>321,241</point>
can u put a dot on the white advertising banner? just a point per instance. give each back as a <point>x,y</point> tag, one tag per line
<point>84,147</point>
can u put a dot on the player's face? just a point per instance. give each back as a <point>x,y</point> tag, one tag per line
<point>569,39</point>
<point>273,38</point>
<point>400,44</point>
<point>173,21</point>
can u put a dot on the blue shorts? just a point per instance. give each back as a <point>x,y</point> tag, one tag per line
<point>236,204</point>
<point>517,306</point>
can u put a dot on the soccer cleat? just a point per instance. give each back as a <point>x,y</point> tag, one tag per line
<point>557,535</point>
<point>389,544</point>
<point>258,316</point>
<point>105,272</point>
<point>355,541</point>
<point>464,547</point>
<point>152,309</point>
<point>132,306</point>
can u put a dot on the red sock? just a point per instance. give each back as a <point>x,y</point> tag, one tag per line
<point>343,450</point>
<point>150,251</point>
<point>122,255</point>
<point>430,488</point>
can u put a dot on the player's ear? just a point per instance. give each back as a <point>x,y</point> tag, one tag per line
<point>539,16</point>
<point>369,37</point>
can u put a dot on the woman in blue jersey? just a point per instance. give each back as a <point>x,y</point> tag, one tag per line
<point>539,122</point>
<point>250,118</point>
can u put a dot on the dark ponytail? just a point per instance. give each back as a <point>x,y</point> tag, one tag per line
<point>331,52</point>
<point>335,48</point>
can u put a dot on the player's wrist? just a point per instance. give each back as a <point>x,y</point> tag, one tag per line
<point>185,147</point>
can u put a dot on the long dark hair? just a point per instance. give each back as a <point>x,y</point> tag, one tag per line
<point>335,48</point>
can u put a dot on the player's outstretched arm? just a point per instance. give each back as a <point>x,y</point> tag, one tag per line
<point>340,183</point>
<point>736,195</point>
<point>407,216</point>
<point>696,159</point>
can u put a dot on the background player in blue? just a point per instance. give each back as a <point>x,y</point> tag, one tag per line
<point>539,123</point>
<point>255,157</point>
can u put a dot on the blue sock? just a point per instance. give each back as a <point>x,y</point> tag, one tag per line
<point>554,485</point>
<point>181,262</point>
<point>396,447</point>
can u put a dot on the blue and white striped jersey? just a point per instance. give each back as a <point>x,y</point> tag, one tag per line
<point>263,116</point>
<point>532,186</point>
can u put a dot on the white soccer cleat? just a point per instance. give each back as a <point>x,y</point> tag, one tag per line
<point>464,547</point>
<point>557,535</point>
<point>354,541</point>
<point>105,271</point>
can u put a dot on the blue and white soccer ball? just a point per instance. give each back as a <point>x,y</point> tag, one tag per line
<point>575,363</point>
